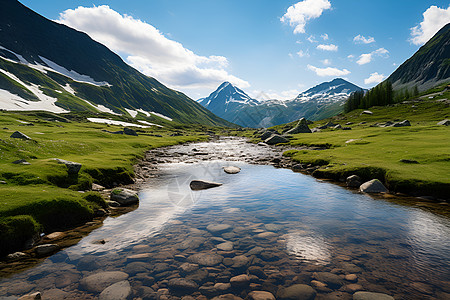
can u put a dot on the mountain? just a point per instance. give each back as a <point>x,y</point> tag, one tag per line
<point>319,102</point>
<point>49,66</point>
<point>428,67</point>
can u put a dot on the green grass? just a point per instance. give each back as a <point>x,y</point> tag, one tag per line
<point>376,152</point>
<point>43,190</point>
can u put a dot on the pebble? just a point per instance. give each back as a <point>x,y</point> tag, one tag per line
<point>118,291</point>
<point>98,282</point>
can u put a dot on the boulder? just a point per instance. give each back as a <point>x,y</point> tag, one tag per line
<point>367,112</point>
<point>218,228</point>
<point>19,135</point>
<point>401,124</point>
<point>129,131</point>
<point>338,126</point>
<point>371,296</point>
<point>296,292</point>
<point>72,167</point>
<point>118,291</point>
<point>203,185</point>
<point>46,249</point>
<point>265,135</point>
<point>301,127</point>
<point>445,122</point>
<point>124,196</point>
<point>353,181</point>
<point>183,285</point>
<point>96,283</point>
<point>227,246</point>
<point>231,170</point>
<point>276,139</point>
<point>373,186</point>
<point>240,281</point>
<point>21,162</point>
<point>332,280</point>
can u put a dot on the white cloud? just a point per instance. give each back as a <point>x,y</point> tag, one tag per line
<point>312,39</point>
<point>298,14</point>
<point>374,78</point>
<point>330,47</point>
<point>326,62</point>
<point>302,53</point>
<point>367,57</point>
<point>325,37</point>
<point>145,48</point>
<point>359,39</point>
<point>328,71</point>
<point>351,56</point>
<point>434,18</point>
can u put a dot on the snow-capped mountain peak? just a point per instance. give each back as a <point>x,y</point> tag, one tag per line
<point>226,97</point>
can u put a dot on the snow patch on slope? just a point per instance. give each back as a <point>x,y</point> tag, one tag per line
<point>114,122</point>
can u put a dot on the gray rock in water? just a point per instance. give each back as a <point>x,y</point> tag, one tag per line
<point>296,292</point>
<point>301,127</point>
<point>367,112</point>
<point>231,170</point>
<point>227,246</point>
<point>218,228</point>
<point>373,186</point>
<point>19,135</point>
<point>72,167</point>
<point>203,185</point>
<point>98,282</point>
<point>46,249</point>
<point>445,122</point>
<point>124,196</point>
<point>371,296</point>
<point>205,259</point>
<point>129,131</point>
<point>182,285</point>
<point>401,124</point>
<point>353,181</point>
<point>332,280</point>
<point>118,291</point>
<point>21,162</point>
<point>275,139</point>
<point>240,281</point>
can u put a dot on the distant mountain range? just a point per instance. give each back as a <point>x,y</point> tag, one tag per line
<point>48,66</point>
<point>321,101</point>
<point>428,67</point>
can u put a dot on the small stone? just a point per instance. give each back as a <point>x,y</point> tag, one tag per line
<point>240,261</point>
<point>189,268</point>
<point>240,281</point>
<point>265,235</point>
<point>353,287</point>
<point>16,256</point>
<point>97,187</point>
<point>222,287</point>
<point>318,284</point>
<point>227,297</point>
<point>227,246</point>
<point>118,291</point>
<point>351,277</point>
<point>33,296</point>
<point>57,235</point>
<point>445,122</point>
<point>371,296</point>
<point>231,170</point>
<point>296,292</point>
<point>373,186</point>
<point>196,185</point>
<point>72,167</point>
<point>46,249</point>
<point>275,139</point>
<point>261,295</point>
<point>367,112</point>
<point>21,162</point>
<point>332,280</point>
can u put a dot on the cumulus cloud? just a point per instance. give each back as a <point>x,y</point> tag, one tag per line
<point>298,14</point>
<point>302,53</point>
<point>368,57</point>
<point>325,37</point>
<point>322,72</point>
<point>359,39</point>
<point>434,18</point>
<point>330,47</point>
<point>145,48</point>
<point>374,78</point>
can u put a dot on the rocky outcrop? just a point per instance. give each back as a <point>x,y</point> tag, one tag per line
<point>301,127</point>
<point>373,186</point>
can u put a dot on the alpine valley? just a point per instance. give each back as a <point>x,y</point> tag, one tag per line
<point>319,102</point>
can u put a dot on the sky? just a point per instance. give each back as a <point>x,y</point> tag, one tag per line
<point>269,48</point>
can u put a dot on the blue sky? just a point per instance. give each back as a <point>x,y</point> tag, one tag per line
<point>276,47</point>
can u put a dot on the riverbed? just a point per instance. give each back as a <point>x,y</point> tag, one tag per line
<point>264,229</point>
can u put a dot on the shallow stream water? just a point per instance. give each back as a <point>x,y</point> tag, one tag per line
<point>281,228</point>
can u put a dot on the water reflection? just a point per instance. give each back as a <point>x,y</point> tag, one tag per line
<point>308,247</point>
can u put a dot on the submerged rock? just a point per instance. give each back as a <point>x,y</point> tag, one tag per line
<point>33,296</point>
<point>96,283</point>
<point>218,228</point>
<point>296,292</point>
<point>46,249</point>
<point>118,291</point>
<point>371,296</point>
<point>373,186</point>
<point>203,185</point>
<point>205,259</point>
<point>261,295</point>
<point>124,196</point>
<point>231,170</point>
<point>182,285</point>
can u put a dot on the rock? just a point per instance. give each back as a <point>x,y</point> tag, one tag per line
<point>227,246</point>
<point>367,112</point>
<point>57,235</point>
<point>118,291</point>
<point>275,139</point>
<point>21,162</point>
<point>222,287</point>
<point>98,282</point>
<point>136,267</point>
<point>240,281</point>
<point>265,135</point>
<point>72,167</point>
<point>296,292</point>
<point>258,271</point>
<point>353,181</point>
<point>261,295</point>
<point>445,122</point>
<point>2,182</point>
<point>338,126</point>
<point>33,296</point>
<point>129,131</point>
<point>113,203</point>
<point>353,287</point>
<point>351,277</point>
<point>189,268</point>
<point>19,135</point>
<point>371,296</point>
<point>46,249</point>
<point>203,185</point>
<point>301,127</point>
<point>240,261</point>
<point>373,186</point>
<point>97,187</point>
<point>124,196</point>
<point>332,280</point>
<point>183,285</point>
<point>88,263</point>
<point>227,297</point>
<point>409,161</point>
<point>218,228</point>
<point>205,259</point>
<point>16,256</point>
<point>401,124</point>
<point>265,235</point>
<point>231,170</point>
